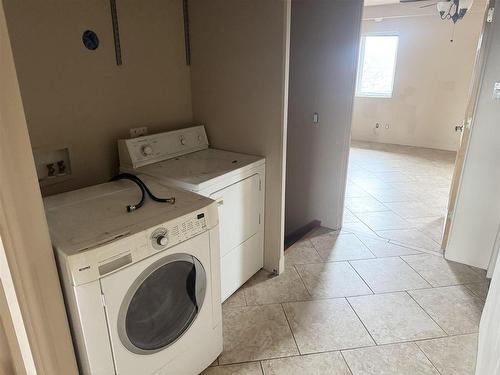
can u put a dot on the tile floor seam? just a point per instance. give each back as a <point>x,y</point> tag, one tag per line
<point>317,252</point>
<point>345,360</point>
<point>252,361</point>
<point>430,361</point>
<point>409,265</point>
<point>363,323</point>
<point>445,331</point>
<point>421,249</point>
<point>467,285</point>
<point>301,279</point>
<point>361,277</point>
<point>291,330</point>
<point>262,368</point>
<point>365,245</point>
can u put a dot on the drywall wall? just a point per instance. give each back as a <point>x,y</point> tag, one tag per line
<point>476,218</point>
<point>431,81</point>
<point>24,233</point>
<point>78,98</point>
<point>239,76</point>
<point>324,48</point>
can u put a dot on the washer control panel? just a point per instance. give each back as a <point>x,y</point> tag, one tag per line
<point>166,236</point>
<point>92,264</point>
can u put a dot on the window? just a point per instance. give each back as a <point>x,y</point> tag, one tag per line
<point>377,65</point>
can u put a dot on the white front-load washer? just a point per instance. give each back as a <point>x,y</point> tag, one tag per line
<point>183,159</point>
<point>142,288</point>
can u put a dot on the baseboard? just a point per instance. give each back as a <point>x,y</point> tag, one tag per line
<point>297,234</point>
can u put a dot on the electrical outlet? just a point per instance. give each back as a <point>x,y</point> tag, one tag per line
<point>138,132</point>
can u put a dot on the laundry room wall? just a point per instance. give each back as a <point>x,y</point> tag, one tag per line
<point>239,78</point>
<point>78,98</point>
<point>324,49</point>
<point>432,78</point>
<point>27,267</point>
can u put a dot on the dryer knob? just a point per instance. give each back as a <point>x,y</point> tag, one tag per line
<point>162,240</point>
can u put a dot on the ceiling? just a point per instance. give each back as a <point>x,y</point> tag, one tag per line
<point>380,2</point>
<point>384,2</point>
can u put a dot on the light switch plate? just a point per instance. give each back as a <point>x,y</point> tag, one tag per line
<point>316,118</point>
<point>496,91</point>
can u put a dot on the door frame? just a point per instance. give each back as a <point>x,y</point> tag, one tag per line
<point>469,117</point>
<point>11,359</point>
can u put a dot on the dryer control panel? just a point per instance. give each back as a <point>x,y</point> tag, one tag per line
<point>141,151</point>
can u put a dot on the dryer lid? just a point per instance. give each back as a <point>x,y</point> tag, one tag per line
<point>201,169</point>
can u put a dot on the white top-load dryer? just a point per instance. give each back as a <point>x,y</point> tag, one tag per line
<point>183,159</point>
<point>142,287</point>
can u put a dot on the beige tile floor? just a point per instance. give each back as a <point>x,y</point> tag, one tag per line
<point>398,192</point>
<point>352,302</point>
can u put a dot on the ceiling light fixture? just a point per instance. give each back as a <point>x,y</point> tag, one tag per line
<point>453,10</point>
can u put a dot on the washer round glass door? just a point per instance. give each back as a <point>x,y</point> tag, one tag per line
<point>162,303</point>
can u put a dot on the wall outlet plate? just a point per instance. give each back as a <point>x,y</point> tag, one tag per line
<point>138,132</point>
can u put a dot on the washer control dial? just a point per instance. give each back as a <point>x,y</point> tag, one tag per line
<point>162,240</point>
<point>159,238</point>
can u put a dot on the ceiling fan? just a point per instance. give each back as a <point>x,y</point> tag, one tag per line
<point>453,10</point>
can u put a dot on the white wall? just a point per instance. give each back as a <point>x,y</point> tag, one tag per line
<point>239,76</point>
<point>431,81</point>
<point>477,213</point>
<point>324,45</point>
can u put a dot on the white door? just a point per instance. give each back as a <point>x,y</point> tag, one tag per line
<point>488,357</point>
<point>474,207</point>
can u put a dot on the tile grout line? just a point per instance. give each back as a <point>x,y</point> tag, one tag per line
<point>429,315</point>
<point>430,361</point>
<point>345,360</point>
<point>291,330</point>
<point>409,265</point>
<point>365,245</point>
<point>262,368</point>
<point>361,277</point>
<point>314,248</point>
<point>363,323</point>
<point>303,282</point>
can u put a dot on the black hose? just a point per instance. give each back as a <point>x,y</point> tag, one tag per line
<point>133,207</point>
<point>144,190</point>
<point>151,195</point>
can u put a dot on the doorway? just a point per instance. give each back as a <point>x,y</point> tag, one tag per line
<point>411,97</point>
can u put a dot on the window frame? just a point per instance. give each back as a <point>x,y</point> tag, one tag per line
<point>361,59</point>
